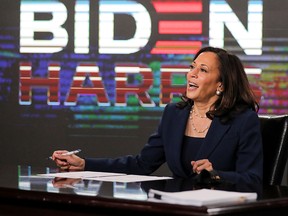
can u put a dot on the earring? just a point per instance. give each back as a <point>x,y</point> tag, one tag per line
<point>218,93</point>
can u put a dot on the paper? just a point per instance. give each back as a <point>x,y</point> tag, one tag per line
<point>200,197</point>
<point>129,178</point>
<point>104,176</point>
<point>80,174</point>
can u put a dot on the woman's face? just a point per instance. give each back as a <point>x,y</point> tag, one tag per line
<point>203,78</point>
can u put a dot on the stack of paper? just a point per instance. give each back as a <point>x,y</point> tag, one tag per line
<point>104,176</point>
<point>201,197</point>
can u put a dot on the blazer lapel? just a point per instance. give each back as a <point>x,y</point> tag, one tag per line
<point>176,134</point>
<point>213,137</point>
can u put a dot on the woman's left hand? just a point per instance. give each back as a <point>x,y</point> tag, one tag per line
<point>200,165</point>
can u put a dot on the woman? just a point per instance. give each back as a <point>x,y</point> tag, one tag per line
<point>215,127</point>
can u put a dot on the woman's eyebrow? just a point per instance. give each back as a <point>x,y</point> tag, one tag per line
<point>204,65</point>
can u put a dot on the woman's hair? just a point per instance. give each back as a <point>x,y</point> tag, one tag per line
<point>237,94</point>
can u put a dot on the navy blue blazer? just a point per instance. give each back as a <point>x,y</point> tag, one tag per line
<point>234,149</point>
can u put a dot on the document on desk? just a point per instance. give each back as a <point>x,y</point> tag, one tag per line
<point>129,178</point>
<point>201,197</point>
<point>80,174</point>
<point>104,176</point>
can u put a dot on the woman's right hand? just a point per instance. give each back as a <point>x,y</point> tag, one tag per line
<point>68,162</point>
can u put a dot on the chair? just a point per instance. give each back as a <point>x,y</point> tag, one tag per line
<point>275,147</point>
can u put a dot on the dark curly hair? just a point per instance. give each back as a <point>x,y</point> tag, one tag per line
<point>237,95</point>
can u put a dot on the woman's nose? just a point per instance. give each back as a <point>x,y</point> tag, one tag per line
<point>193,73</point>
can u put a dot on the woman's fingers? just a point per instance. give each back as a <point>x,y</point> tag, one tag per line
<point>198,166</point>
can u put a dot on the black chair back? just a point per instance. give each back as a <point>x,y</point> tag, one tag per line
<point>275,147</point>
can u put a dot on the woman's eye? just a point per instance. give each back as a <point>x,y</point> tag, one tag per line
<point>191,67</point>
<point>203,70</point>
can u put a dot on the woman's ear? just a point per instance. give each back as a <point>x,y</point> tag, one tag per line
<point>220,87</point>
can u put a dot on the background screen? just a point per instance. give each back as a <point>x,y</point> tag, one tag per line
<point>96,75</point>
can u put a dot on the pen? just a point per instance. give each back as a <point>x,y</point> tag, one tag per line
<point>72,152</point>
<point>69,153</point>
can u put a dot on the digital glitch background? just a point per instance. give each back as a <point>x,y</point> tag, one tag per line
<point>105,69</point>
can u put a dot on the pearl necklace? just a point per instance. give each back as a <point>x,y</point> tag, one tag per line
<point>192,123</point>
<point>196,114</point>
